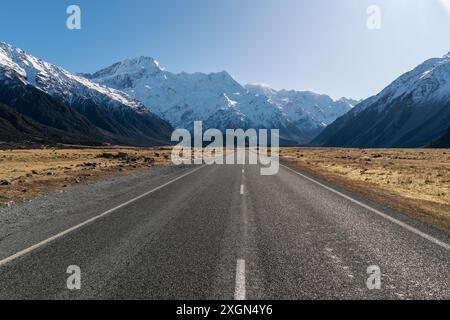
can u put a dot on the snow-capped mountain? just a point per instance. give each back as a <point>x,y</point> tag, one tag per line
<point>125,102</point>
<point>216,99</point>
<point>107,112</point>
<point>322,109</point>
<point>413,111</point>
<point>18,65</point>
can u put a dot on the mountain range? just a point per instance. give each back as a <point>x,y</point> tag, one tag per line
<point>137,102</point>
<point>413,111</point>
<point>220,101</point>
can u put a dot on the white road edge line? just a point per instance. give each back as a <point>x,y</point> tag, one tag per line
<point>387,217</point>
<point>242,189</point>
<point>239,293</point>
<point>78,226</point>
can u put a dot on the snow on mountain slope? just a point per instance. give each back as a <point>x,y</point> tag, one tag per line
<point>80,110</point>
<point>179,98</point>
<point>412,111</point>
<point>216,99</point>
<point>297,104</point>
<point>18,65</point>
<point>430,81</point>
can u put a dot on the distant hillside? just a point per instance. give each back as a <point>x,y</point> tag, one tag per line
<point>67,108</point>
<point>411,112</point>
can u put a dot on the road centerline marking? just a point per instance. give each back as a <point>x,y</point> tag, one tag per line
<point>386,216</point>
<point>240,291</point>
<point>95,218</point>
<point>242,189</point>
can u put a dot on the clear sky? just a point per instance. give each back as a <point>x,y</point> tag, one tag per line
<point>319,45</point>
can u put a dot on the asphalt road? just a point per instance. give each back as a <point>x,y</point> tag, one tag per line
<point>226,232</point>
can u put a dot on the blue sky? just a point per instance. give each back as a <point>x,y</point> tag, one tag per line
<point>319,45</point>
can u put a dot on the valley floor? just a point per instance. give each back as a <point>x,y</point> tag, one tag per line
<point>413,181</point>
<point>28,173</point>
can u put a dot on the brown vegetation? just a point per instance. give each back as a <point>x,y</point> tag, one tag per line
<point>26,173</point>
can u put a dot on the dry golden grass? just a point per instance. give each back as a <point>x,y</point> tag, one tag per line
<point>31,172</point>
<point>414,181</point>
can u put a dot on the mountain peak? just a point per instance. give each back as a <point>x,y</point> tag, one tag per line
<point>4,44</point>
<point>7,46</point>
<point>139,64</point>
<point>144,61</point>
<point>135,68</point>
<point>224,75</point>
<point>11,50</point>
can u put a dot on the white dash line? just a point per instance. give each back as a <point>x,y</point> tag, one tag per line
<point>240,293</point>
<point>242,189</point>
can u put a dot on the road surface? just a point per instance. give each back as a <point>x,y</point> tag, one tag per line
<point>226,232</point>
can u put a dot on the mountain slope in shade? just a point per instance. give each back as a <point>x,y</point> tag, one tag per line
<point>74,105</point>
<point>47,112</point>
<point>16,127</point>
<point>216,99</point>
<point>443,141</point>
<point>411,112</point>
